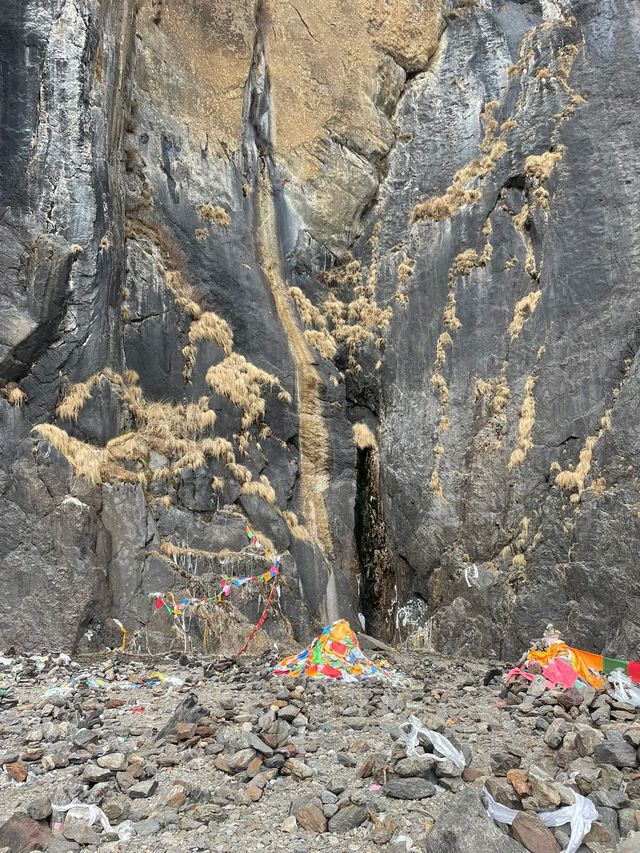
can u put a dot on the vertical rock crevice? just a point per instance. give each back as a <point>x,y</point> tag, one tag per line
<point>270,210</point>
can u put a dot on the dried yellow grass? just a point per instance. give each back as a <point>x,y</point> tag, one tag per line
<point>184,293</point>
<point>525,425</point>
<point>440,384</point>
<point>241,382</point>
<point>363,438</point>
<point>349,273</point>
<point>13,394</point>
<point>444,341</point>
<point>540,166</point>
<point>519,561</point>
<point>76,396</point>
<point>213,213</point>
<point>295,528</point>
<point>449,316</point>
<point>460,193</point>
<point>524,531</point>
<point>239,473</point>
<point>321,340</point>
<point>520,219</point>
<point>190,354</point>
<point>201,233</point>
<point>262,488</point>
<point>465,262</point>
<point>405,270</point>
<point>435,485</point>
<point>524,308</point>
<point>575,480</point>
<point>501,395</point>
<point>309,314</point>
<point>211,327</point>
<point>95,464</point>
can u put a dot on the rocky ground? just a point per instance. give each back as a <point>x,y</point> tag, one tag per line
<point>225,756</point>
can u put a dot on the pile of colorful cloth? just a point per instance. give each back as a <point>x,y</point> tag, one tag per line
<point>562,664</point>
<point>336,653</point>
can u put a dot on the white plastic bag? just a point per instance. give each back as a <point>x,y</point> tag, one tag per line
<point>447,750</point>
<point>89,812</point>
<point>580,815</point>
<point>624,690</point>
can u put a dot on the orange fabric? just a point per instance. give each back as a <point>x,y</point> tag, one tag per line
<point>585,664</point>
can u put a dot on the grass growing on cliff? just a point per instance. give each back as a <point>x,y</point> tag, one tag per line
<point>525,425</point>
<point>14,395</point>
<point>309,314</point>
<point>540,166</point>
<point>321,340</point>
<point>210,327</point>
<point>213,213</point>
<point>524,308</point>
<point>295,528</point>
<point>241,383</point>
<point>363,438</point>
<point>262,488</point>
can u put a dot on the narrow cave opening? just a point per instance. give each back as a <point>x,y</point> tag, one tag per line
<point>364,541</point>
<point>371,545</point>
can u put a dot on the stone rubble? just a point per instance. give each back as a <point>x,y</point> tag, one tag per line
<point>239,759</point>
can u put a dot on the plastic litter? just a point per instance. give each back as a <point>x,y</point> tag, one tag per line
<point>410,733</point>
<point>91,813</point>
<point>624,689</point>
<point>580,815</point>
<point>471,576</point>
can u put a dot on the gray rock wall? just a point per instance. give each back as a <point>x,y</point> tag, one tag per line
<point>423,225</point>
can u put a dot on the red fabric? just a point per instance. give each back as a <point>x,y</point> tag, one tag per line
<point>633,671</point>
<point>331,671</point>
<point>339,648</point>
<point>561,672</point>
<point>517,671</point>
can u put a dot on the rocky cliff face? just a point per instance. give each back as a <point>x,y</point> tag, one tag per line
<point>360,278</point>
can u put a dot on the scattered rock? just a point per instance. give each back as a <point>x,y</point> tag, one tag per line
<point>534,836</point>
<point>349,818</point>
<point>142,790</point>
<point>410,788</point>
<point>616,751</point>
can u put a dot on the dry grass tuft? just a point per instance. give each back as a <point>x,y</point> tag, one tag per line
<point>519,561</point>
<point>130,377</point>
<point>440,384</point>
<point>309,314</point>
<point>13,394</point>
<point>295,528</point>
<point>213,213</point>
<point>525,425</point>
<point>443,342</point>
<point>539,166</point>
<point>363,438</point>
<point>465,262</point>
<point>349,273</point>
<point>460,193</point>
<point>190,353</point>
<point>210,327</point>
<point>524,531</point>
<point>241,382</point>
<point>524,308</point>
<point>322,341</point>
<point>405,270</point>
<point>184,293</point>
<point>262,488</point>
<point>435,485</point>
<point>201,233</point>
